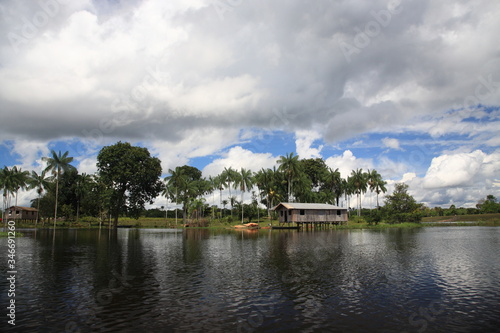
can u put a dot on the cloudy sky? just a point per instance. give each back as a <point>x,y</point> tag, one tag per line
<point>410,88</point>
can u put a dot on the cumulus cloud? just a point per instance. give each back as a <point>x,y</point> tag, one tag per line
<point>348,162</point>
<point>237,158</point>
<point>391,143</point>
<point>303,142</point>
<point>187,78</point>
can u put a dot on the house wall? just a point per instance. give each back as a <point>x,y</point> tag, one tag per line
<point>294,215</point>
<point>20,214</point>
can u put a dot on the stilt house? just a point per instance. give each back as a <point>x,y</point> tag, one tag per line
<point>314,213</point>
<point>22,213</point>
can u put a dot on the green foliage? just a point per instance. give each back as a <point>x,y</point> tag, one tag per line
<point>374,217</point>
<point>400,206</point>
<point>489,205</point>
<point>132,174</point>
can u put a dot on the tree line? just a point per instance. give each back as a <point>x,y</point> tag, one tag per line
<point>128,178</point>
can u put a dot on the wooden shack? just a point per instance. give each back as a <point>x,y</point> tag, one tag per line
<point>22,213</point>
<point>310,214</point>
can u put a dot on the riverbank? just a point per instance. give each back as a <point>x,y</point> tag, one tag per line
<point>355,223</point>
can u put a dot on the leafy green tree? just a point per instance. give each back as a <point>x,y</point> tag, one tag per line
<point>133,175</point>
<point>317,171</point>
<point>58,164</point>
<point>489,205</point>
<point>400,206</point>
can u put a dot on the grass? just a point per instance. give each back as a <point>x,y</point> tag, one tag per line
<point>354,223</point>
<point>491,218</point>
<point>6,234</point>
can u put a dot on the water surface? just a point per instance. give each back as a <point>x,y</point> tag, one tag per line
<point>438,279</point>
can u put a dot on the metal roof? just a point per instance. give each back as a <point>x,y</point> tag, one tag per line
<point>31,209</point>
<point>312,206</point>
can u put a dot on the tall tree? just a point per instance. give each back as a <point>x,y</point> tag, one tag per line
<point>229,176</point>
<point>21,180</point>
<point>376,183</point>
<point>401,206</point>
<point>245,182</point>
<point>40,182</point>
<point>289,165</point>
<point>133,175</point>
<point>175,180</point>
<point>333,184</point>
<point>360,183</point>
<point>81,188</point>
<point>58,164</point>
<point>7,185</point>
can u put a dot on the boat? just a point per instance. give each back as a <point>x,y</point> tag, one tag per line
<point>285,228</point>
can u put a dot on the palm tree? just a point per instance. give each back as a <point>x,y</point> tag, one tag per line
<point>7,185</point>
<point>167,193</point>
<point>359,181</point>
<point>176,179</point>
<point>58,164</point>
<point>244,182</point>
<point>21,179</point>
<point>334,184</point>
<point>229,175</point>
<point>289,165</point>
<point>81,188</point>
<point>376,183</point>
<point>40,182</point>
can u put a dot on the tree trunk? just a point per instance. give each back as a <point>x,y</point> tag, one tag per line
<point>55,208</point>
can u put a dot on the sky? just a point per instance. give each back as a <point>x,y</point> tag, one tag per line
<point>409,88</point>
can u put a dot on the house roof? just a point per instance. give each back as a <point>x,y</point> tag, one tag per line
<point>310,206</point>
<point>31,209</point>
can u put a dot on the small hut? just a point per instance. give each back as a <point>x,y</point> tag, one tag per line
<point>313,214</point>
<point>22,213</point>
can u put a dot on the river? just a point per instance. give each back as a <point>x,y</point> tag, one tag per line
<point>429,279</point>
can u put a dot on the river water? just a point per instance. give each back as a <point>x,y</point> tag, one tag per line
<point>430,279</point>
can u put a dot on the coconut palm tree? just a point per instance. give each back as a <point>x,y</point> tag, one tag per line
<point>58,164</point>
<point>245,182</point>
<point>289,165</point>
<point>40,182</point>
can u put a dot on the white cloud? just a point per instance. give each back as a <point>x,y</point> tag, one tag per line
<point>348,162</point>
<point>304,139</point>
<point>456,170</point>
<point>391,143</point>
<point>237,158</point>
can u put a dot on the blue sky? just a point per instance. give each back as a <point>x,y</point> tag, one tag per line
<point>410,88</point>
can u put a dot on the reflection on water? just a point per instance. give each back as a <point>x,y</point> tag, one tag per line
<point>167,280</point>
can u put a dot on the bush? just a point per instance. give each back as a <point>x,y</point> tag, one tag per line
<point>357,219</point>
<point>374,217</point>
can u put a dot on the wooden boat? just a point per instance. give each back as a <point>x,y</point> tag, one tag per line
<point>285,228</point>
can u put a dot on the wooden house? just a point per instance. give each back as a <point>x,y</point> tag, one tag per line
<point>22,213</point>
<point>310,213</point>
